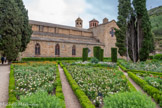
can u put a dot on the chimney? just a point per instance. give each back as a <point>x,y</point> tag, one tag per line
<point>105,20</point>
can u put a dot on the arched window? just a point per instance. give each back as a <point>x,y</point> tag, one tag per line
<point>37,49</point>
<point>73,50</point>
<point>57,49</point>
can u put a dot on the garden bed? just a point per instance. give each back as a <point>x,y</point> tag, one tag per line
<point>151,66</point>
<point>151,89</point>
<point>97,82</point>
<point>35,79</point>
<point>151,79</point>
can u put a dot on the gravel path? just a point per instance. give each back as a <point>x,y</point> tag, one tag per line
<point>138,88</point>
<point>71,100</point>
<point>4,82</point>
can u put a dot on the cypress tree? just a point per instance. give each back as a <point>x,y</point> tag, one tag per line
<point>10,23</point>
<point>145,37</point>
<point>134,35</point>
<point>125,9</point>
<point>26,30</point>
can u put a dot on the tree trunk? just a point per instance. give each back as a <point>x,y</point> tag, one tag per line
<point>127,34</point>
<point>132,41</point>
<point>138,35</point>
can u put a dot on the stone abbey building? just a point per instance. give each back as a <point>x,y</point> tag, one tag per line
<point>53,40</point>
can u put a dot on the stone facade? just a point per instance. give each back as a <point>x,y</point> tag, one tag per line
<point>49,35</point>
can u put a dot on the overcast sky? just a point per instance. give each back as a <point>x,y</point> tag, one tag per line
<point>65,12</point>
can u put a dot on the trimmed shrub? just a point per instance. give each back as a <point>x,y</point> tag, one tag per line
<point>122,67</point>
<point>49,58</point>
<point>12,95</point>
<point>151,57</point>
<point>40,99</point>
<point>101,54</point>
<point>114,54</point>
<point>128,100</point>
<point>85,54</point>
<point>158,56</point>
<point>96,52</point>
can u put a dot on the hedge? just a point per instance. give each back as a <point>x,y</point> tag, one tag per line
<point>85,54</point>
<point>122,67</point>
<point>101,54</point>
<point>12,95</point>
<point>131,87</point>
<point>152,91</point>
<point>114,54</point>
<point>83,99</point>
<point>26,59</point>
<point>59,92</point>
<point>96,52</point>
<point>50,58</point>
<point>151,57</point>
<point>158,57</point>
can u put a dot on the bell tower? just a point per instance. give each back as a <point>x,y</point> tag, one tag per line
<point>79,23</point>
<point>93,23</point>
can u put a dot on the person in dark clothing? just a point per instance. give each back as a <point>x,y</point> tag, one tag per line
<point>2,59</point>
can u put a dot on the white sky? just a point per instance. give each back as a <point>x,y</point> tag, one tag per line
<point>65,12</point>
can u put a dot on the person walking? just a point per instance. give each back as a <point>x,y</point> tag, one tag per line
<point>2,59</point>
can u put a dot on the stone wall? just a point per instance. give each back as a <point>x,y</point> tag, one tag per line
<point>66,37</point>
<point>58,30</point>
<point>48,49</point>
<point>102,32</point>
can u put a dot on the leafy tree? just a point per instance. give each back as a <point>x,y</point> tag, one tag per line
<point>10,24</point>
<point>26,28</point>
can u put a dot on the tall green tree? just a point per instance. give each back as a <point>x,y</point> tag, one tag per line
<point>26,30</point>
<point>125,9</point>
<point>135,30</point>
<point>145,37</point>
<point>10,24</point>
